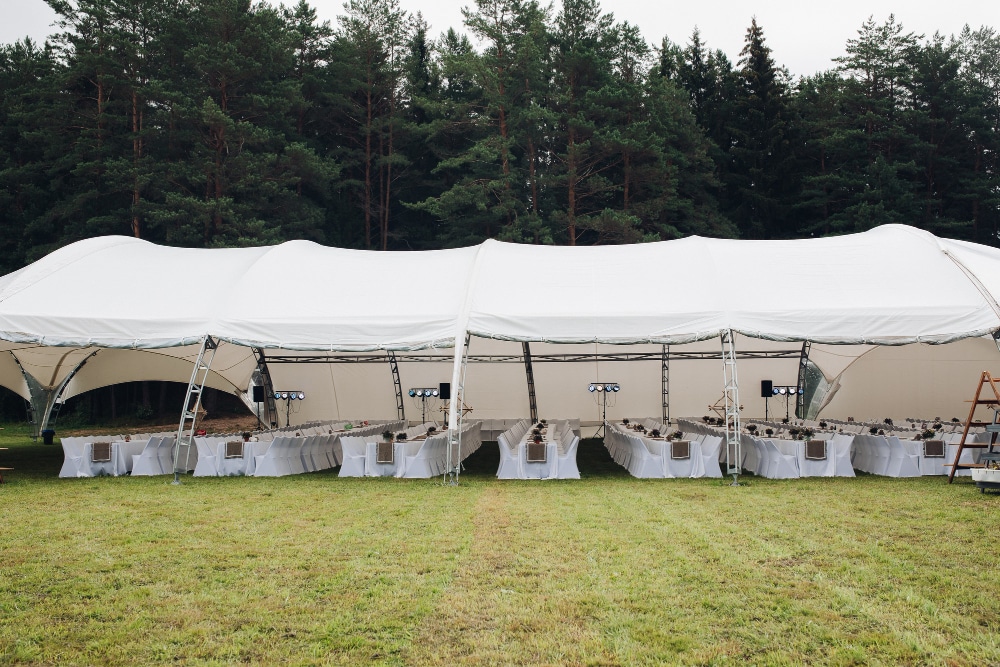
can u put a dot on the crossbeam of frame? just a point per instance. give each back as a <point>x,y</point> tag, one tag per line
<point>675,355</point>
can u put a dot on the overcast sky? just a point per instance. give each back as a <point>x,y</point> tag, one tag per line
<point>803,35</point>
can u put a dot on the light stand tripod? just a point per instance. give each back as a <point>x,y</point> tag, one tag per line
<point>603,389</point>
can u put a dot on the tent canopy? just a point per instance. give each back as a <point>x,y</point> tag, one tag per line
<point>153,305</point>
<point>891,285</point>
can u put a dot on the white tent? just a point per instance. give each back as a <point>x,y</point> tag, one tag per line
<point>147,309</point>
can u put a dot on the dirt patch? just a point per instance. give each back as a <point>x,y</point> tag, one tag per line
<point>220,424</point>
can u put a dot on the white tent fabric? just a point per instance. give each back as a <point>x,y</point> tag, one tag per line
<point>892,285</point>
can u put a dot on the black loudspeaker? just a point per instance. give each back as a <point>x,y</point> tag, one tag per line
<point>258,394</point>
<point>445,391</point>
<point>766,388</point>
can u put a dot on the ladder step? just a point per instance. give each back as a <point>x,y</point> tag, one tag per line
<point>964,465</point>
<point>195,390</point>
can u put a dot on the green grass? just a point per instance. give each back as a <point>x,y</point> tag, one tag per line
<point>607,570</point>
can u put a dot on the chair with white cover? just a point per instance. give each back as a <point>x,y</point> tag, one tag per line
<point>324,451</point>
<point>207,465</point>
<point>711,448</point>
<point>293,455</point>
<point>902,462</point>
<point>567,458</point>
<point>427,460</point>
<point>274,462</point>
<point>310,457</point>
<point>353,462</point>
<point>878,454</point>
<point>156,458</point>
<point>646,461</point>
<point>508,458</point>
<point>753,457</point>
<point>839,447</point>
<point>779,464</point>
<point>73,452</point>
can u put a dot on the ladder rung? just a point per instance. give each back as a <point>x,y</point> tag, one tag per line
<point>195,390</point>
<point>188,415</point>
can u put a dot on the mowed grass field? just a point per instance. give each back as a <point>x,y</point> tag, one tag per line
<point>607,570</point>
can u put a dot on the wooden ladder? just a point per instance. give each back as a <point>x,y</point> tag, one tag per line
<point>992,427</point>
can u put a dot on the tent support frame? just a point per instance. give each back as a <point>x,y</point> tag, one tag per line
<point>456,410</point>
<point>195,390</point>
<point>665,385</point>
<point>265,381</point>
<point>44,400</point>
<point>800,395</point>
<point>398,386</point>
<point>731,393</point>
<point>530,373</point>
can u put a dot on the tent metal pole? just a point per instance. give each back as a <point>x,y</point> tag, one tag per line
<point>800,394</point>
<point>665,385</point>
<point>530,373</point>
<point>455,405</point>
<point>264,376</point>
<point>398,386</point>
<point>731,392</point>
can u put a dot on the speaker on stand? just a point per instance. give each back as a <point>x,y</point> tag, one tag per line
<point>258,398</point>
<point>766,391</point>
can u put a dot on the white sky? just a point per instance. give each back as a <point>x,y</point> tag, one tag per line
<point>804,35</point>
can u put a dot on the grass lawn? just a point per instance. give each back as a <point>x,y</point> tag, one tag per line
<point>607,570</point>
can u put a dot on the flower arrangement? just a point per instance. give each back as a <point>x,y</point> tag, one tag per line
<point>400,436</point>
<point>387,435</point>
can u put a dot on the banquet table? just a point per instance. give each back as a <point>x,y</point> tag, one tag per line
<point>547,469</point>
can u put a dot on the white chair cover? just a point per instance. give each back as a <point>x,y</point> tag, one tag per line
<point>207,462</point>
<point>421,460</point>
<point>353,449</point>
<point>902,462</point>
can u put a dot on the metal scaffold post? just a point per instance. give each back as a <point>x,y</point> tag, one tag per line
<point>731,392</point>
<point>800,395</point>
<point>192,402</point>
<point>400,405</point>
<point>456,412</point>
<point>530,373</point>
<point>665,385</point>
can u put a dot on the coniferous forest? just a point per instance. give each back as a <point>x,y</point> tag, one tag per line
<point>226,122</point>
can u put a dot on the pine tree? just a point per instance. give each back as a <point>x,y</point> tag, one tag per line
<point>760,181</point>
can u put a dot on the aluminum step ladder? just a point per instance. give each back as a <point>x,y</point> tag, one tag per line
<point>192,402</point>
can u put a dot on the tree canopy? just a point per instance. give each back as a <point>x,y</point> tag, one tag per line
<point>232,122</point>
